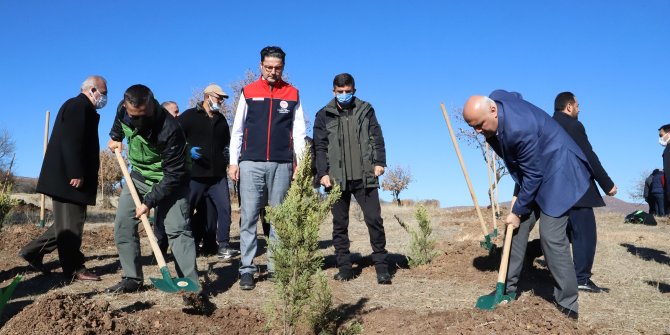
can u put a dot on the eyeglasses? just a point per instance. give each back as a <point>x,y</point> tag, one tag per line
<point>217,98</point>
<point>278,68</point>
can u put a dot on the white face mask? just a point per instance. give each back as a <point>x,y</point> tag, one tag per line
<point>214,105</point>
<point>663,142</point>
<point>100,102</point>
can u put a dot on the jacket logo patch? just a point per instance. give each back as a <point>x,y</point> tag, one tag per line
<point>257,99</point>
<point>284,107</point>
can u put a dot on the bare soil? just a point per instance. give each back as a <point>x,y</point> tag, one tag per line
<point>437,298</point>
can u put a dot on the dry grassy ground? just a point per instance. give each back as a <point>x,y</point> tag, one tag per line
<point>632,261</point>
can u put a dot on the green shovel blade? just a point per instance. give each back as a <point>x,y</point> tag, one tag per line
<point>6,293</point>
<point>490,301</point>
<point>173,285</point>
<point>487,244</point>
<point>495,232</point>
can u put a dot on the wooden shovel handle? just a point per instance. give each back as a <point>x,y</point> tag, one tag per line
<point>138,203</point>
<point>465,171</point>
<point>46,142</point>
<point>502,272</point>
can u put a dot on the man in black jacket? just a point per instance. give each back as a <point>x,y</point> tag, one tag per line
<point>69,176</point>
<point>349,148</point>
<point>582,222</point>
<point>160,172</point>
<point>207,133</point>
<point>654,192</point>
<point>663,139</point>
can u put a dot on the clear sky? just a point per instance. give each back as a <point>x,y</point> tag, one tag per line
<point>406,56</point>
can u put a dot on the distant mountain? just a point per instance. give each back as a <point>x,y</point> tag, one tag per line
<point>613,205</point>
<point>619,206</point>
<point>24,184</point>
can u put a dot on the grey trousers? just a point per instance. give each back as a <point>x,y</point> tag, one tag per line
<point>173,211</point>
<point>556,249</point>
<point>65,235</point>
<point>255,177</point>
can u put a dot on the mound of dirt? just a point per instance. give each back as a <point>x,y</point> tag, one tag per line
<point>15,237</point>
<point>58,313</point>
<point>228,320</point>
<point>94,239</point>
<point>461,260</point>
<point>530,315</point>
<point>67,314</point>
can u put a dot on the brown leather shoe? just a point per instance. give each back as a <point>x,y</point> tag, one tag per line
<point>86,275</point>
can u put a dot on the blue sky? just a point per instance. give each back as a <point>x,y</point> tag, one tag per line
<point>407,57</point>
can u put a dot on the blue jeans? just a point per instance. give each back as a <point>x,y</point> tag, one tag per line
<point>254,178</point>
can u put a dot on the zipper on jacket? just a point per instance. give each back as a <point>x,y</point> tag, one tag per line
<point>267,155</point>
<point>246,133</point>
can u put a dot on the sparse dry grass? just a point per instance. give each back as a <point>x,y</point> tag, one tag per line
<point>633,261</point>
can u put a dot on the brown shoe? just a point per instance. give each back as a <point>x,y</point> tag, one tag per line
<point>86,275</point>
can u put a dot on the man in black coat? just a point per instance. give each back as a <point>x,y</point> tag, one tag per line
<point>663,139</point>
<point>69,176</point>
<point>207,133</point>
<point>582,222</point>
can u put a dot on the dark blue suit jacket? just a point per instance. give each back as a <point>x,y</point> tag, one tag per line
<point>547,165</point>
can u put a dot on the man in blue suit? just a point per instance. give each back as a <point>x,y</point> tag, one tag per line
<point>551,174</point>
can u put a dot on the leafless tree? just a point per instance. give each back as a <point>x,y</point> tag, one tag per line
<point>637,193</point>
<point>395,180</point>
<point>465,134</point>
<point>7,149</point>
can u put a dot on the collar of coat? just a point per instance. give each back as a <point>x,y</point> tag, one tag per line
<point>358,107</point>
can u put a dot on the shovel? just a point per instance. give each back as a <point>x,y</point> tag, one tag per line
<point>43,197</point>
<point>490,301</point>
<point>486,244</point>
<point>6,293</point>
<point>493,205</point>
<point>167,283</point>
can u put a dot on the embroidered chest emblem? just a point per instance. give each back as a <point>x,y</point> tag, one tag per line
<point>283,107</point>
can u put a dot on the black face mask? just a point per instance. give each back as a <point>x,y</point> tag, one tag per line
<point>141,123</point>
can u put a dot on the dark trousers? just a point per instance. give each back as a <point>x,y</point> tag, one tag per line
<point>159,232</point>
<point>217,219</point>
<point>368,199</point>
<point>658,201</point>
<point>582,233</point>
<point>556,249</point>
<point>64,235</point>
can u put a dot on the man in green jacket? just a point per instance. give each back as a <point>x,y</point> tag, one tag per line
<point>349,148</point>
<point>161,173</point>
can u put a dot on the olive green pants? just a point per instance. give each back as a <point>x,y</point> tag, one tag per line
<point>174,213</point>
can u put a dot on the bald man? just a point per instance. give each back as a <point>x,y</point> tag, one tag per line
<point>171,107</point>
<point>551,174</point>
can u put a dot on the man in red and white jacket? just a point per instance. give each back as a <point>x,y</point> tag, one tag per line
<point>269,127</point>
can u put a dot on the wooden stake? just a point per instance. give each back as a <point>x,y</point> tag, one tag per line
<point>465,171</point>
<point>493,204</point>
<point>46,141</point>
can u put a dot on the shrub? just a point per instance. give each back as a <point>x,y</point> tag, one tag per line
<point>421,246</point>
<point>302,295</point>
<point>6,203</point>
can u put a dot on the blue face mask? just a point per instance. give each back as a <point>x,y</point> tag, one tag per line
<point>344,99</point>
